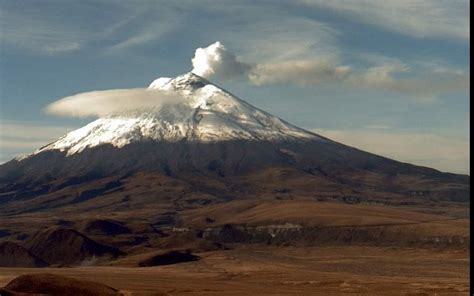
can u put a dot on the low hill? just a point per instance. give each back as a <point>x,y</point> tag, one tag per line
<point>52,284</point>
<point>67,246</point>
<point>14,255</point>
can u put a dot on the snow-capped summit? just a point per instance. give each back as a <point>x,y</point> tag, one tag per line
<point>199,111</point>
<point>186,82</point>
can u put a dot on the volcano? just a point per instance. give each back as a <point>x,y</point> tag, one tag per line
<point>206,132</point>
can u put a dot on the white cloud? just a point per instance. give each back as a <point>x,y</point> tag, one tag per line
<point>216,60</point>
<point>418,18</point>
<point>422,84</point>
<point>425,86</point>
<point>386,74</point>
<point>72,26</point>
<point>136,40</point>
<point>153,25</point>
<point>443,152</point>
<point>283,37</point>
<point>36,33</point>
<point>380,76</point>
<point>304,72</point>
<point>107,102</point>
<point>267,37</point>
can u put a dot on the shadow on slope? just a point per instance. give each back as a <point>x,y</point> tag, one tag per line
<point>13,255</point>
<point>68,246</point>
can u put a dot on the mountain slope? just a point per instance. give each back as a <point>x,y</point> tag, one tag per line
<point>198,129</point>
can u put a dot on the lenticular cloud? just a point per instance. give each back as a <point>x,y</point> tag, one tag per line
<point>107,102</point>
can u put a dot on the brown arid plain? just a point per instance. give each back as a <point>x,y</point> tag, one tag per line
<point>401,230</point>
<point>287,246</point>
<point>355,270</point>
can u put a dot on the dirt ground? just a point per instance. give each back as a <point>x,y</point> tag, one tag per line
<point>270,270</point>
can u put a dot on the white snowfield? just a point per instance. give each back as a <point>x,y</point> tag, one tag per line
<point>204,113</point>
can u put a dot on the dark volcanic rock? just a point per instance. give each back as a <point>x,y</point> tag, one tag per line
<point>106,227</point>
<point>4,233</point>
<point>13,255</point>
<point>168,258</point>
<point>27,178</point>
<point>229,157</point>
<point>67,246</point>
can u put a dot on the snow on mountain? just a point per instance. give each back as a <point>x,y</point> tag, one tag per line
<point>206,113</point>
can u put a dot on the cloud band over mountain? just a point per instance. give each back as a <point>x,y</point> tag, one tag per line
<point>393,76</point>
<point>107,102</point>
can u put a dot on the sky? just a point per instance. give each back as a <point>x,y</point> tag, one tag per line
<point>388,77</point>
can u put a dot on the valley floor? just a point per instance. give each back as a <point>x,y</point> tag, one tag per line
<point>271,270</point>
